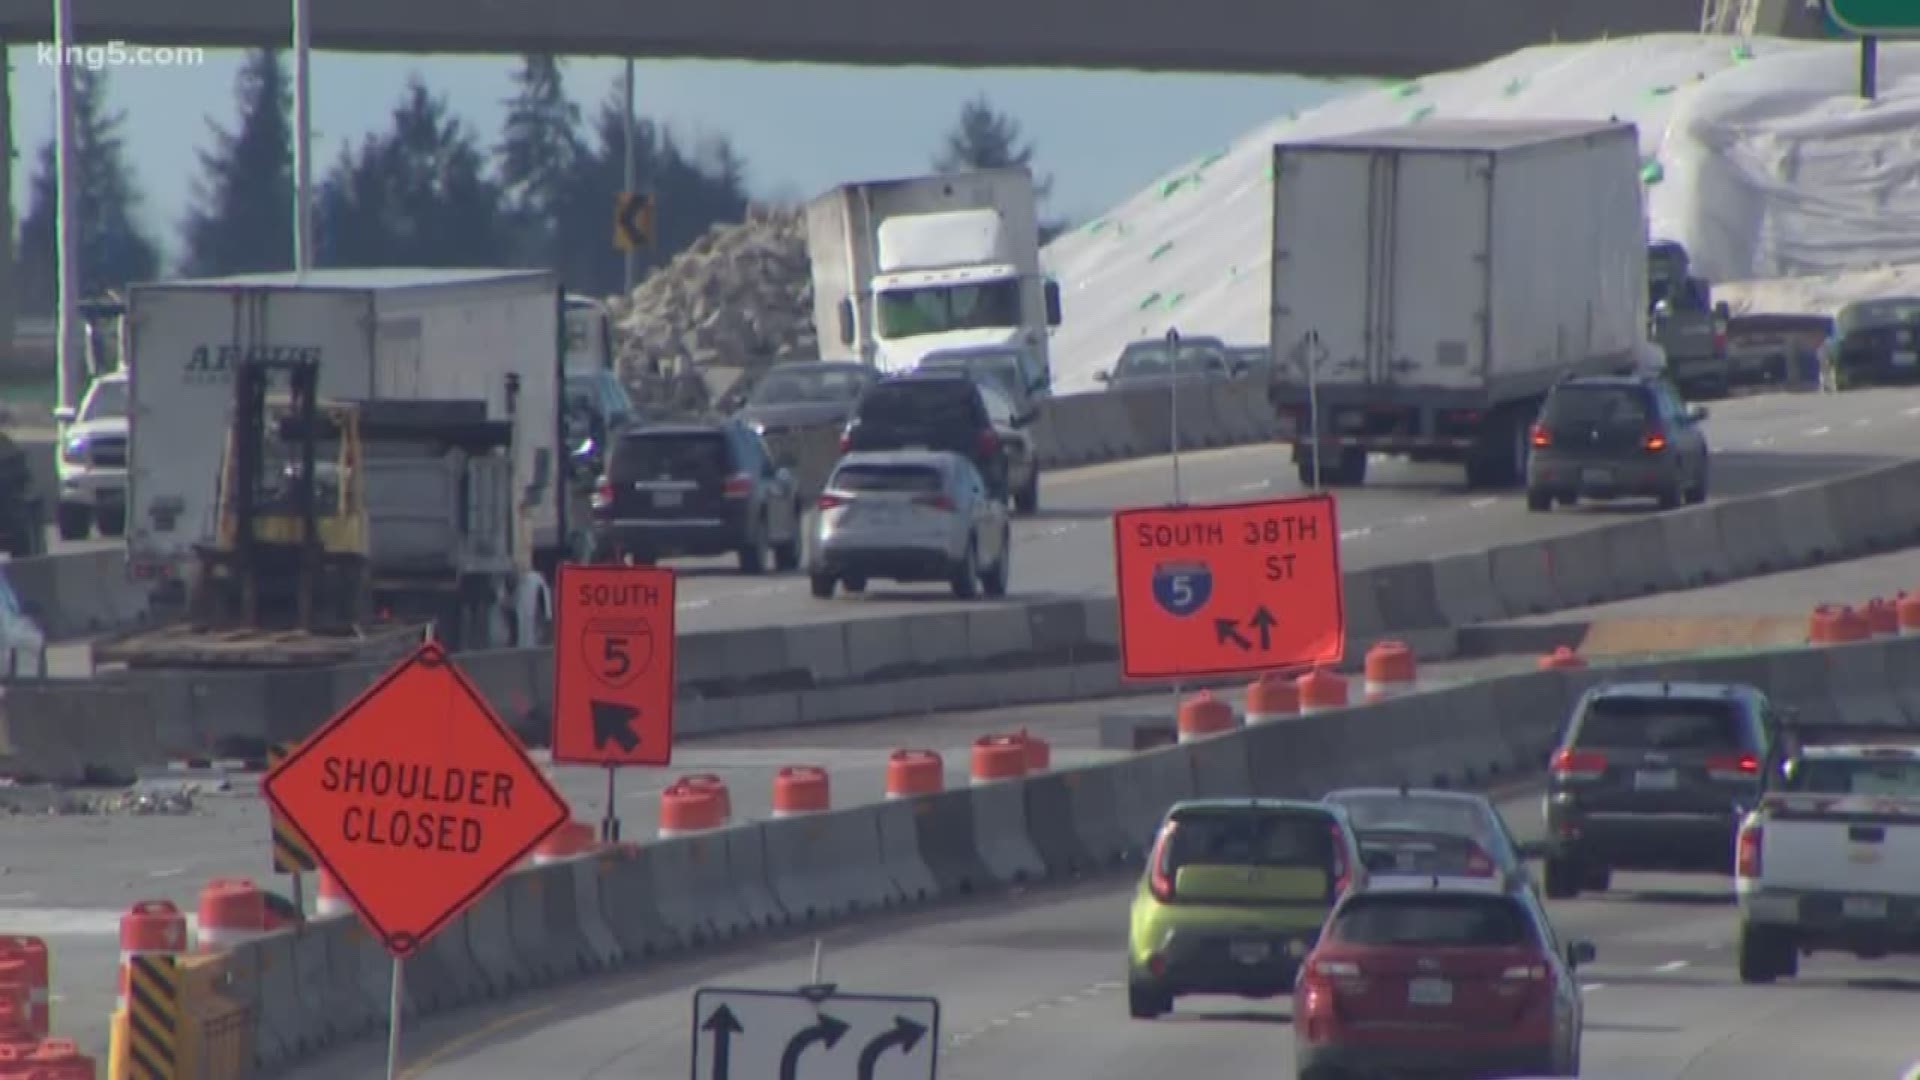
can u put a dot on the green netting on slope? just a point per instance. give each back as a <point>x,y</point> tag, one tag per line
<point>1161,250</point>
<point>1660,91</point>
<point>1513,88</point>
<point>1742,53</point>
<point>1652,172</point>
<point>1151,301</point>
<point>1420,114</point>
<point>1175,302</point>
<point>1406,90</point>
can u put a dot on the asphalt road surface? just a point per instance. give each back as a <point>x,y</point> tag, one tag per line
<point>1032,987</point>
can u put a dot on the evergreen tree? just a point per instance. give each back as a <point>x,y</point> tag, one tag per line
<point>417,195</point>
<point>113,249</point>
<point>691,195</point>
<point>986,138</point>
<point>538,155</point>
<point>242,218</point>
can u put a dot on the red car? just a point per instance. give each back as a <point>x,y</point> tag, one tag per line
<point>1456,977</point>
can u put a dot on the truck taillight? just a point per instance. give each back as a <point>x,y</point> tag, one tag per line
<point>1733,766</point>
<point>602,494</point>
<point>1747,861</point>
<point>1578,765</point>
<point>1542,438</point>
<point>738,486</point>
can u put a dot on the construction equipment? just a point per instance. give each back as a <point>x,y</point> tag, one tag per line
<point>344,530</point>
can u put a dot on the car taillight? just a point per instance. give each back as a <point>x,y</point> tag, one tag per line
<point>1655,442</point>
<point>1578,765</point>
<point>1747,860</point>
<point>738,487</point>
<point>936,502</point>
<point>989,443</point>
<point>602,493</point>
<point>1159,881</point>
<point>1342,873</point>
<point>1733,766</point>
<point>1479,865</point>
<point>828,502</point>
<point>1333,969</point>
<point>1542,438</point>
<point>1534,972</point>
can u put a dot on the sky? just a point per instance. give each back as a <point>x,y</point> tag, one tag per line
<point>801,128</point>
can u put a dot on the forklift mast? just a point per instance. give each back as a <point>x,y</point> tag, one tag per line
<point>253,379</point>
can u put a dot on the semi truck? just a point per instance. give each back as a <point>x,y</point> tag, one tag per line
<point>1432,282</point>
<point>488,336</point>
<point>904,268</point>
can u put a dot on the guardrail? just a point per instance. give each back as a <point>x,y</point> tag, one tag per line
<point>296,993</point>
<point>1041,650</point>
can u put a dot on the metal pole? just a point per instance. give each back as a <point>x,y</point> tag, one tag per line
<point>610,827</point>
<point>302,140</point>
<point>1312,357</point>
<point>300,894</point>
<point>71,349</point>
<point>9,307</point>
<point>818,948</point>
<point>1173,407</point>
<point>393,1019</point>
<point>632,257</point>
<point>1869,67</point>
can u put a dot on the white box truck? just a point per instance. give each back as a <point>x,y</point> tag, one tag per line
<point>904,268</point>
<point>1432,282</point>
<point>387,334</point>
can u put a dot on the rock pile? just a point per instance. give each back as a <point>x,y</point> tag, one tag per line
<point>739,298</point>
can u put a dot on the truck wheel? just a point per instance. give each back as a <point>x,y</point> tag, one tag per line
<point>1352,471</point>
<point>112,522</point>
<point>1766,954</point>
<point>786,555</point>
<point>823,586</point>
<point>1563,878</point>
<point>753,557</point>
<point>1539,501</point>
<point>75,521</point>
<point>1027,499</point>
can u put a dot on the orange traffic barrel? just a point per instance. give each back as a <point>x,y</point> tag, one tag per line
<point>710,782</point>
<point>1907,607</point>
<point>1883,619</point>
<point>150,928</point>
<point>1561,659</point>
<point>1390,670</point>
<point>915,772</point>
<point>31,953</point>
<point>1321,689</point>
<point>998,757</point>
<point>1039,752</point>
<point>232,911</point>
<point>1272,696</point>
<point>801,789</point>
<point>573,838</point>
<point>686,809</point>
<point>1203,716</point>
<point>330,898</point>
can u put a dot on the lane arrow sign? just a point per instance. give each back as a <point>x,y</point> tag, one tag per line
<point>724,1026</point>
<point>827,1032</point>
<point>1264,621</point>
<point>905,1034</point>
<point>1228,630</point>
<point>613,723</point>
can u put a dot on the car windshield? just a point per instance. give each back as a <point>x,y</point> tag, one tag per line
<point>1433,920</point>
<point>1886,778</point>
<point>1407,851</point>
<point>935,401</point>
<point>1249,838</point>
<point>106,401</point>
<point>671,455</point>
<point>1146,359</point>
<point>863,477</point>
<point>1661,723</point>
<point>1448,816</point>
<point>804,386</point>
<point>936,309</point>
<point>1599,406</point>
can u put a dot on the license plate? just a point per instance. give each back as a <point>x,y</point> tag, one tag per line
<point>665,499</point>
<point>1250,952</point>
<point>1597,477</point>
<point>1906,359</point>
<point>1655,780</point>
<point>1429,992</point>
<point>1864,907</point>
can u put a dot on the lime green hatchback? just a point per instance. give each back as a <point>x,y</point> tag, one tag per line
<point>1233,898</point>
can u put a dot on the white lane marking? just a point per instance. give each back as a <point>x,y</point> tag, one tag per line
<point>1587,988</point>
<point>1671,965</point>
<point>173,872</point>
<point>1816,432</point>
<point>1257,485</point>
<point>1355,534</point>
<point>1416,519</point>
<point>1914,411</point>
<point>54,922</point>
<point>1481,504</point>
<point>1863,422</point>
<point>15,897</point>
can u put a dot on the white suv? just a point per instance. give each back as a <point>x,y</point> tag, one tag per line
<point>93,461</point>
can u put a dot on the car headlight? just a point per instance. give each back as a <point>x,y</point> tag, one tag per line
<point>75,450</point>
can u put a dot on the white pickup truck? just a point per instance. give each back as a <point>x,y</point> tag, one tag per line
<point>1829,861</point>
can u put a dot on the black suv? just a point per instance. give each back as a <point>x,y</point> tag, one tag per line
<point>1655,776</point>
<point>1617,437</point>
<point>705,487</point>
<point>933,410</point>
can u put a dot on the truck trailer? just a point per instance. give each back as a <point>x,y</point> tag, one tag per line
<point>488,336</point>
<point>904,268</point>
<point>1432,282</point>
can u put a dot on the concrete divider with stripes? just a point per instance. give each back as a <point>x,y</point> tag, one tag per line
<point>1038,650</point>
<point>590,907</point>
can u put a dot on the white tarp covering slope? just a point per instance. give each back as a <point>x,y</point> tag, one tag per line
<point>1760,158</point>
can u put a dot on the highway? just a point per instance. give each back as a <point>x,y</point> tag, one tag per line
<point>1031,987</point>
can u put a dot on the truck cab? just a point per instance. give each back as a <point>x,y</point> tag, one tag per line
<point>1684,320</point>
<point>92,466</point>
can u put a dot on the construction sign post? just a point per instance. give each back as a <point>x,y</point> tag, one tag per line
<point>1222,590</point>
<point>417,799</point>
<point>613,670</point>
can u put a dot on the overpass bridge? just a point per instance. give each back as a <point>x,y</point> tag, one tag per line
<point>1304,37</point>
